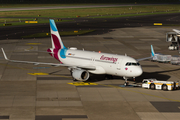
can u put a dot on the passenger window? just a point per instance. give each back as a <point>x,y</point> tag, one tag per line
<point>127,64</point>
<point>134,64</point>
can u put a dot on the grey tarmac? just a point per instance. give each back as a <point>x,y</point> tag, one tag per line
<point>29,92</point>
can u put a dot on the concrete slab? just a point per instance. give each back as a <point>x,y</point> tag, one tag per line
<point>142,106</point>
<point>60,111</point>
<point>110,94</point>
<point>173,116</point>
<point>26,113</point>
<point>151,115</point>
<point>70,103</point>
<point>24,101</point>
<point>19,88</point>
<point>75,119</point>
<point>98,110</point>
<point>89,94</point>
<point>47,103</point>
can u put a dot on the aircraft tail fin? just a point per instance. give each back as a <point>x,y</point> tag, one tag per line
<point>55,37</point>
<point>152,51</point>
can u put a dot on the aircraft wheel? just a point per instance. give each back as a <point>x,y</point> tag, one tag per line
<point>74,79</point>
<point>126,84</point>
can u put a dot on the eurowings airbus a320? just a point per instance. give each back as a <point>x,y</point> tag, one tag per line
<point>81,63</point>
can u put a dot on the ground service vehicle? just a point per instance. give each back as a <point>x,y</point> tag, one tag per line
<point>159,85</point>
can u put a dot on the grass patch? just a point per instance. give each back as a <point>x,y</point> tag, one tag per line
<point>63,33</point>
<point>16,22</point>
<point>2,20</point>
<point>128,15</point>
<point>44,5</point>
<point>84,12</point>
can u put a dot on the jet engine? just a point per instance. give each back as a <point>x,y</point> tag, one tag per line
<point>80,74</point>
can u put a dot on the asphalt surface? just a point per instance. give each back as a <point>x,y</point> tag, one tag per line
<point>100,25</point>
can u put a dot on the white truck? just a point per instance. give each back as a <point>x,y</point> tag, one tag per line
<point>159,85</point>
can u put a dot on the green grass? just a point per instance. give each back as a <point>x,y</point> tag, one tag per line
<point>84,12</point>
<point>12,19</point>
<point>128,15</point>
<point>15,22</point>
<point>43,5</point>
<point>63,33</point>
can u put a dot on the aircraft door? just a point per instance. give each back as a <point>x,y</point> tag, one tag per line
<point>92,60</point>
<point>118,65</point>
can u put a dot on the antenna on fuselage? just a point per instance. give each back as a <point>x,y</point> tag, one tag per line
<point>125,54</point>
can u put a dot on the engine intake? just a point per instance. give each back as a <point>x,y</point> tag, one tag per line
<point>80,74</point>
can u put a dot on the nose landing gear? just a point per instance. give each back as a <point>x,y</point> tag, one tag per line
<point>126,82</point>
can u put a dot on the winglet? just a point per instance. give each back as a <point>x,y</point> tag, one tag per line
<point>152,51</point>
<point>4,54</point>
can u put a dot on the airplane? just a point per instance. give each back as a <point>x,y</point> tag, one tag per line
<point>81,63</point>
<point>177,31</point>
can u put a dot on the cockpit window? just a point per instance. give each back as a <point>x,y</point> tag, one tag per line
<point>132,64</point>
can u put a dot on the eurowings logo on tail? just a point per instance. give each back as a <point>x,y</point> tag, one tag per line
<point>55,37</point>
<point>56,41</point>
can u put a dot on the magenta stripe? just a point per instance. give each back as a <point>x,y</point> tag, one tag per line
<point>55,55</point>
<point>56,41</point>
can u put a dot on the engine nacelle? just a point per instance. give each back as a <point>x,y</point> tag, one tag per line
<point>80,74</point>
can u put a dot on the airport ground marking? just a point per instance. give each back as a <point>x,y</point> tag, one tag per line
<point>157,23</point>
<point>30,48</point>
<point>82,83</point>
<point>31,21</point>
<point>38,73</point>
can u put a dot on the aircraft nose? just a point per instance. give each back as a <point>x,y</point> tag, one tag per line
<point>139,71</point>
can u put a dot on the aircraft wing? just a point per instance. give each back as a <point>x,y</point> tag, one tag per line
<point>37,51</point>
<point>143,58</point>
<point>52,64</point>
<point>152,55</point>
<point>177,31</point>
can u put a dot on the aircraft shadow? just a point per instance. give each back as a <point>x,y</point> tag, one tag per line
<point>157,75</point>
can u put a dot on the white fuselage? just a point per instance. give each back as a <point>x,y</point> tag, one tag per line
<point>103,62</point>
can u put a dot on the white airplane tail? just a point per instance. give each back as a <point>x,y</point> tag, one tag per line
<point>55,37</point>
